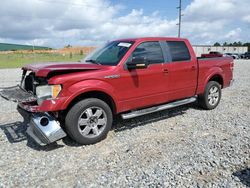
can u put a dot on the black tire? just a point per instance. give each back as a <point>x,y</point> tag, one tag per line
<point>81,109</point>
<point>203,99</point>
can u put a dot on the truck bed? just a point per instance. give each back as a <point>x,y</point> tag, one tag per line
<point>220,65</point>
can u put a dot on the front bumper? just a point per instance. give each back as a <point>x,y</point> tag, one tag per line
<point>42,127</point>
<point>50,105</point>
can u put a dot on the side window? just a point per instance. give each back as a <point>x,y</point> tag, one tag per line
<point>178,51</point>
<point>151,51</point>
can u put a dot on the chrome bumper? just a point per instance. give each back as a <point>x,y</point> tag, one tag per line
<point>43,128</point>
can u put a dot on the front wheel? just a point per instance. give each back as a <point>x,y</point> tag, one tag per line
<point>89,121</point>
<point>211,97</point>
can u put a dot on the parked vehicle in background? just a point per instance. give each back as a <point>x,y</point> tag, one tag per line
<point>241,55</point>
<point>247,55</point>
<point>237,55</point>
<point>131,77</point>
<point>233,55</point>
<point>212,54</point>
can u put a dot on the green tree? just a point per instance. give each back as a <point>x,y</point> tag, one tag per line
<point>239,43</point>
<point>248,45</point>
<point>68,46</point>
<point>235,44</point>
<point>225,44</point>
<point>217,44</point>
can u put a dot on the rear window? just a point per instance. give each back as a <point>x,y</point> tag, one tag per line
<point>178,51</point>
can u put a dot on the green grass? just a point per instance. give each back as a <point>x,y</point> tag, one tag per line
<point>16,60</point>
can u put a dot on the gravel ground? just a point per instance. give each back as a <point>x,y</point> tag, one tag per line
<point>182,147</point>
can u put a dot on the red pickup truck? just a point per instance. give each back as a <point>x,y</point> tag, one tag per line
<point>131,77</point>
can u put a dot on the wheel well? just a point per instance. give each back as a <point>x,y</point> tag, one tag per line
<point>95,94</point>
<point>217,78</point>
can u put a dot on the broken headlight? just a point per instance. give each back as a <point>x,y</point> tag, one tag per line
<point>47,92</point>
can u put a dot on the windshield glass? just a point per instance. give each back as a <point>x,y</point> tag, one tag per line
<point>109,54</point>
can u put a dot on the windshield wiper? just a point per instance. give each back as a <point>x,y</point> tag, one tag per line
<point>93,61</point>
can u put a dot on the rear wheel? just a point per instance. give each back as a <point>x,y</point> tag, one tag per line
<point>89,121</point>
<point>211,97</point>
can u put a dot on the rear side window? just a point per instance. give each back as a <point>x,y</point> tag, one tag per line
<point>178,51</point>
<point>151,51</point>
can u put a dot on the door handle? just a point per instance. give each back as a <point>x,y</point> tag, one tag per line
<point>165,71</point>
<point>193,68</point>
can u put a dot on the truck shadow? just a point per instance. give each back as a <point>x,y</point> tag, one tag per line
<point>121,125</point>
<point>16,131</point>
<point>244,176</point>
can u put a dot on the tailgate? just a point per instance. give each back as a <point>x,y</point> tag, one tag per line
<point>17,94</point>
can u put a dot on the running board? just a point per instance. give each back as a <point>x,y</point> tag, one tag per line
<point>157,108</point>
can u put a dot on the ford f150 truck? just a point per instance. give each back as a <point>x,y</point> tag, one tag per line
<point>131,77</point>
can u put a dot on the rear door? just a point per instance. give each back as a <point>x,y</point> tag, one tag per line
<point>181,71</point>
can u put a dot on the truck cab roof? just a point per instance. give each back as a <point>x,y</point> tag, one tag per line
<point>152,38</point>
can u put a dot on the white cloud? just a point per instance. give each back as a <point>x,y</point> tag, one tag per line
<point>90,22</point>
<point>213,20</point>
<point>207,10</point>
<point>234,34</point>
<point>246,18</point>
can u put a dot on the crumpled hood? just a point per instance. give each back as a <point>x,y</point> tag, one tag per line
<point>43,69</point>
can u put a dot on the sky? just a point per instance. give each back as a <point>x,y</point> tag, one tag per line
<point>57,23</point>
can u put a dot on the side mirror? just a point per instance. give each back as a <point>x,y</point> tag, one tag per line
<point>137,63</point>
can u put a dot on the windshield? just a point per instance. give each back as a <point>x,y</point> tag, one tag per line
<point>109,54</point>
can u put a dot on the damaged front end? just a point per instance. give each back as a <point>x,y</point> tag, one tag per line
<point>43,127</point>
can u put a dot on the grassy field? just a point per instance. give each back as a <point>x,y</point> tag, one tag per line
<point>15,60</point>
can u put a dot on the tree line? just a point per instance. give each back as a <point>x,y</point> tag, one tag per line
<point>234,44</point>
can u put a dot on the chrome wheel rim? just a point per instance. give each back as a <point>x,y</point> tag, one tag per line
<point>213,95</point>
<point>92,122</point>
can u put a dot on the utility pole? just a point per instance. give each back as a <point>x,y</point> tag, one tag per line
<point>180,15</point>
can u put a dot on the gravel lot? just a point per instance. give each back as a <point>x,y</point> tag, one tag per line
<point>182,147</point>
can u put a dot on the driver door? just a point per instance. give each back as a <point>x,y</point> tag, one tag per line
<point>143,87</point>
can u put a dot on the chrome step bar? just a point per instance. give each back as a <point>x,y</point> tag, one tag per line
<point>157,108</point>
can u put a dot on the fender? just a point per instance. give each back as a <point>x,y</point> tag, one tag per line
<point>209,74</point>
<point>89,85</point>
